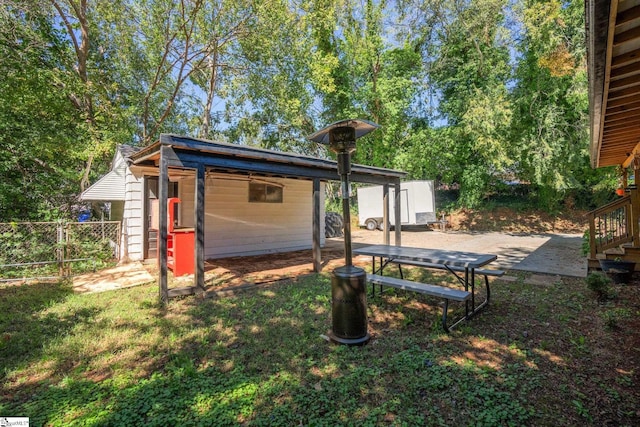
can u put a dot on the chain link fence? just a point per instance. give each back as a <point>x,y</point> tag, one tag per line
<point>38,250</point>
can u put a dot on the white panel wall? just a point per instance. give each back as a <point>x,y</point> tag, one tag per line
<point>235,227</point>
<point>132,223</point>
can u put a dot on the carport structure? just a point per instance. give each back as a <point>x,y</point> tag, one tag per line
<point>173,154</point>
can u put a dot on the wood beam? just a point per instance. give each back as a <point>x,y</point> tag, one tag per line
<point>634,152</point>
<point>625,59</point>
<point>618,156</point>
<point>622,138</point>
<point>633,106</point>
<point>626,36</point>
<point>630,81</point>
<point>622,132</point>
<point>621,126</point>
<point>625,70</point>
<point>398,213</point>
<point>628,15</point>
<point>315,207</point>
<point>385,214</point>
<point>199,222</point>
<point>623,93</point>
<point>624,148</point>
<point>609,160</point>
<point>163,190</point>
<point>626,115</point>
<point>623,101</point>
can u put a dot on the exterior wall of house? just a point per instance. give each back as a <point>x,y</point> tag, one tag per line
<point>236,227</point>
<point>132,217</point>
<point>233,225</point>
<point>112,185</point>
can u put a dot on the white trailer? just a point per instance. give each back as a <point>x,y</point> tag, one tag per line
<point>417,205</point>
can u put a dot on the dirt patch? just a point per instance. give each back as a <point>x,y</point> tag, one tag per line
<point>237,271</point>
<point>507,220</point>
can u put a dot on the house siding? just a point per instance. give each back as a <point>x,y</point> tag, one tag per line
<point>112,185</point>
<point>132,218</point>
<point>235,227</point>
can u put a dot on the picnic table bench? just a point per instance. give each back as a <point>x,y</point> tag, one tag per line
<point>445,293</point>
<point>452,261</point>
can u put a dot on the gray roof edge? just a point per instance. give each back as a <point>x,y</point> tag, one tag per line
<point>197,144</point>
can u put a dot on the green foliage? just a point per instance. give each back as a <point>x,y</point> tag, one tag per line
<point>469,93</point>
<point>599,284</point>
<point>257,358</point>
<point>549,128</point>
<point>257,375</point>
<point>37,122</point>
<point>614,316</point>
<point>585,246</point>
<point>24,244</point>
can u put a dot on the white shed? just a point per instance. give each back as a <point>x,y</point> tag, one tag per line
<point>234,224</point>
<point>240,200</point>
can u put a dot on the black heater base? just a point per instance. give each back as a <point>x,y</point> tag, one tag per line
<point>349,306</point>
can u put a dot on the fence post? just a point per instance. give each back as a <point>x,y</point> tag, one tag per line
<point>61,241</point>
<point>118,241</point>
<point>124,239</point>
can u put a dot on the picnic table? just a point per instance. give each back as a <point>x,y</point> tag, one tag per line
<point>463,265</point>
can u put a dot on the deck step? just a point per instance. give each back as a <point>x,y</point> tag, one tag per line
<point>614,252</point>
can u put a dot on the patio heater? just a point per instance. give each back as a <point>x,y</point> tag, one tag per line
<point>348,283</point>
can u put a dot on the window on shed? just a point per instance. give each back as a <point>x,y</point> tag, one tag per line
<point>264,193</point>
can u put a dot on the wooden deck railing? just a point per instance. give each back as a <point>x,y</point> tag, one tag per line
<point>610,226</point>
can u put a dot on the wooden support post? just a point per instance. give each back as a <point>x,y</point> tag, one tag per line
<point>163,189</point>
<point>397,212</point>
<point>385,214</point>
<point>316,225</point>
<point>198,279</point>
<point>592,236</point>
<point>635,206</point>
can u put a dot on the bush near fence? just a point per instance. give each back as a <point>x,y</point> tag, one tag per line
<point>54,249</point>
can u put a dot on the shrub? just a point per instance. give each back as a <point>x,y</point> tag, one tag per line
<point>599,283</point>
<point>585,247</point>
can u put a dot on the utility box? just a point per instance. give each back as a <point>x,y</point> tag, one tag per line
<point>180,242</point>
<point>417,205</point>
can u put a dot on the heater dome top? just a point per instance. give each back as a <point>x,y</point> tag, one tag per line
<point>362,127</point>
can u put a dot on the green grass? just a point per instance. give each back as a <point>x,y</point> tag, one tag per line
<point>258,358</point>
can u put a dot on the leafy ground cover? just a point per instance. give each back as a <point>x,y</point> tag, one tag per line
<point>547,354</point>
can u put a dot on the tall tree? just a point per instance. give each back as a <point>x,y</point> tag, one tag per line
<point>75,18</point>
<point>366,75</point>
<point>550,97</point>
<point>471,69</point>
<point>40,131</point>
<point>271,100</point>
